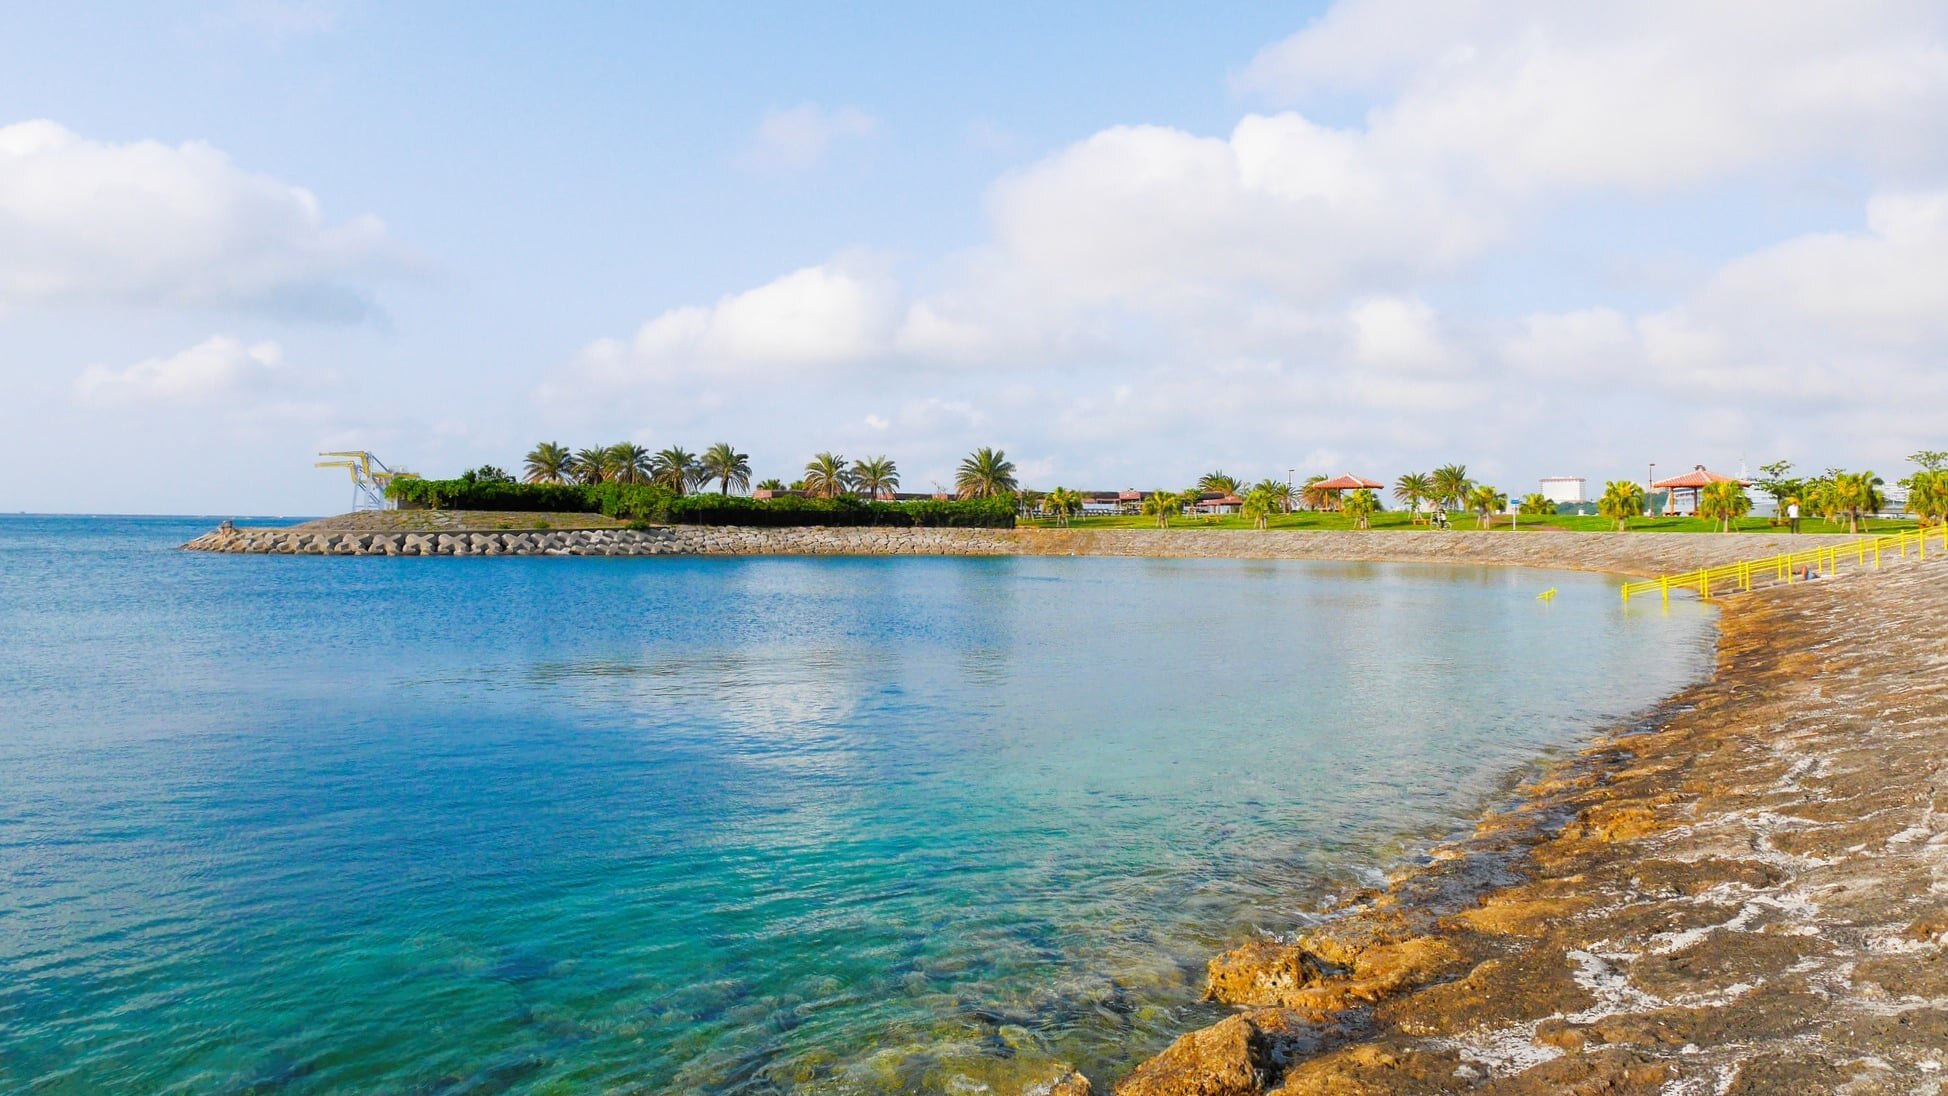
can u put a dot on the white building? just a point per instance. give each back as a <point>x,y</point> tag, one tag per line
<point>1560,489</point>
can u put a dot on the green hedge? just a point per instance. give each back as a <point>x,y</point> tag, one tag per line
<point>641,502</point>
<point>471,494</point>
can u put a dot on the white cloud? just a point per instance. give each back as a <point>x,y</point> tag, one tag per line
<point>834,314</point>
<point>1395,335</point>
<point>1835,336</point>
<point>798,137</point>
<point>1295,289</point>
<point>1135,214</point>
<point>220,371</point>
<point>1534,94</point>
<point>84,221</point>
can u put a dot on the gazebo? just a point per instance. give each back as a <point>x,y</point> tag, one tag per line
<point>1695,481</point>
<point>1347,482</point>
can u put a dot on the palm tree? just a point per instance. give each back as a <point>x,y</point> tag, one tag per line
<point>1484,501</point>
<point>727,466</point>
<point>1536,505</point>
<point>630,462</point>
<point>985,474</point>
<point>548,462</point>
<point>1259,504</point>
<point>1280,491</point>
<point>1724,502</point>
<point>1927,496</point>
<point>1220,482</point>
<point>1854,495</point>
<point>1312,497</point>
<point>591,465</point>
<point>1412,489</point>
<point>1451,485</point>
<point>875,474</point>
<point>826,476</point>
<point>674,468</point>
<point>1162,504</point>
<point>773,484</point>
<point>1360,505</point>
<point>1063,503</point>
<point>1621,501</point>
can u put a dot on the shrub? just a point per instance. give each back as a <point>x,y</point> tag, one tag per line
<point>473,494</point>
<point>646,503</point>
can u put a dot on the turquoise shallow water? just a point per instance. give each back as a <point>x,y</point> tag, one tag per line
<point>542,825</point>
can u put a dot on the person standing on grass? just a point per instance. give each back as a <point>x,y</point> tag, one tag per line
<point>1792,515</point>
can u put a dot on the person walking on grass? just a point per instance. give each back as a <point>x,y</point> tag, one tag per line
<point>1792,515</point>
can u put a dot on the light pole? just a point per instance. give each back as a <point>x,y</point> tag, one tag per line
<point>1288,489</point>
<point>1647,488</point>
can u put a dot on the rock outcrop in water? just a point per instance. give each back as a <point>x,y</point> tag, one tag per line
<point>1749,895</point>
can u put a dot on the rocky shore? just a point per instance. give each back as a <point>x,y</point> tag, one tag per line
<point>1747,894</point>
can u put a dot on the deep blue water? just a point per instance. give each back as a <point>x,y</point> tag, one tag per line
<point>289,824</point>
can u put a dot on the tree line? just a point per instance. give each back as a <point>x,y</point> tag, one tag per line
<point>1835,495</point>
<point>985,473</point>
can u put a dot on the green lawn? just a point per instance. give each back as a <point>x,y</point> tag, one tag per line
<point>1399,520</point>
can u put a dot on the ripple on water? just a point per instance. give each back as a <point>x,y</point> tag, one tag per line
<point>312,825</point>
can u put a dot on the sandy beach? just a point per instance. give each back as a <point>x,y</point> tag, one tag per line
<point>1746,893</point>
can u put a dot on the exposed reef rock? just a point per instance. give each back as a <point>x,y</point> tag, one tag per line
<point>1749,894</point>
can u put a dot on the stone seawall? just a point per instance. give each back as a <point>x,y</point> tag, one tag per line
<point>1624,553</point>
<point>676,541</point>
<point>1621,553</point>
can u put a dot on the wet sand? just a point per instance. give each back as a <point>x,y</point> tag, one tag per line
<point>1747,893</point>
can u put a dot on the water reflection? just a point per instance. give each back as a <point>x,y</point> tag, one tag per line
<point>721,825</point>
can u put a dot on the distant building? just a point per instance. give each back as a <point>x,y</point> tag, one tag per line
<point>1217,502</point>
<point>1564,489</point>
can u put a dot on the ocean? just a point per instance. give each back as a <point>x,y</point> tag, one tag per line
<point>779,825</point>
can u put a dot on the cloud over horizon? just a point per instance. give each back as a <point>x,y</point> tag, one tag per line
<point>1296,284</point>
<point>1537,238</point>
<point>220,371</point>
<point>152,225</point>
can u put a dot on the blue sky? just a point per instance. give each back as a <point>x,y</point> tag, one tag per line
<point>1128,243</point>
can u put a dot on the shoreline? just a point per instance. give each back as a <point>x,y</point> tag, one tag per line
<point>1745,892</point>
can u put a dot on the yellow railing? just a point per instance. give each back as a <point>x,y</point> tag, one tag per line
<point>1790,567</point>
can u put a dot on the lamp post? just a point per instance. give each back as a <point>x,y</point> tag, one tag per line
<point>1647,487</point>
<point>1288,489</point>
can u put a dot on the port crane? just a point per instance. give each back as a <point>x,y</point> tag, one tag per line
<point>369,478</point>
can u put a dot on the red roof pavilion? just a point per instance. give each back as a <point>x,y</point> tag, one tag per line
<point>1347,482</point>
<point>1695,481</point>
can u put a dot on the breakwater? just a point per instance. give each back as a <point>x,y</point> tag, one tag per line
<point>661,541</point>
<point>1622,553</point>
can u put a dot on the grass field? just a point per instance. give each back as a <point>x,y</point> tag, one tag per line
<point>1398,520</point>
